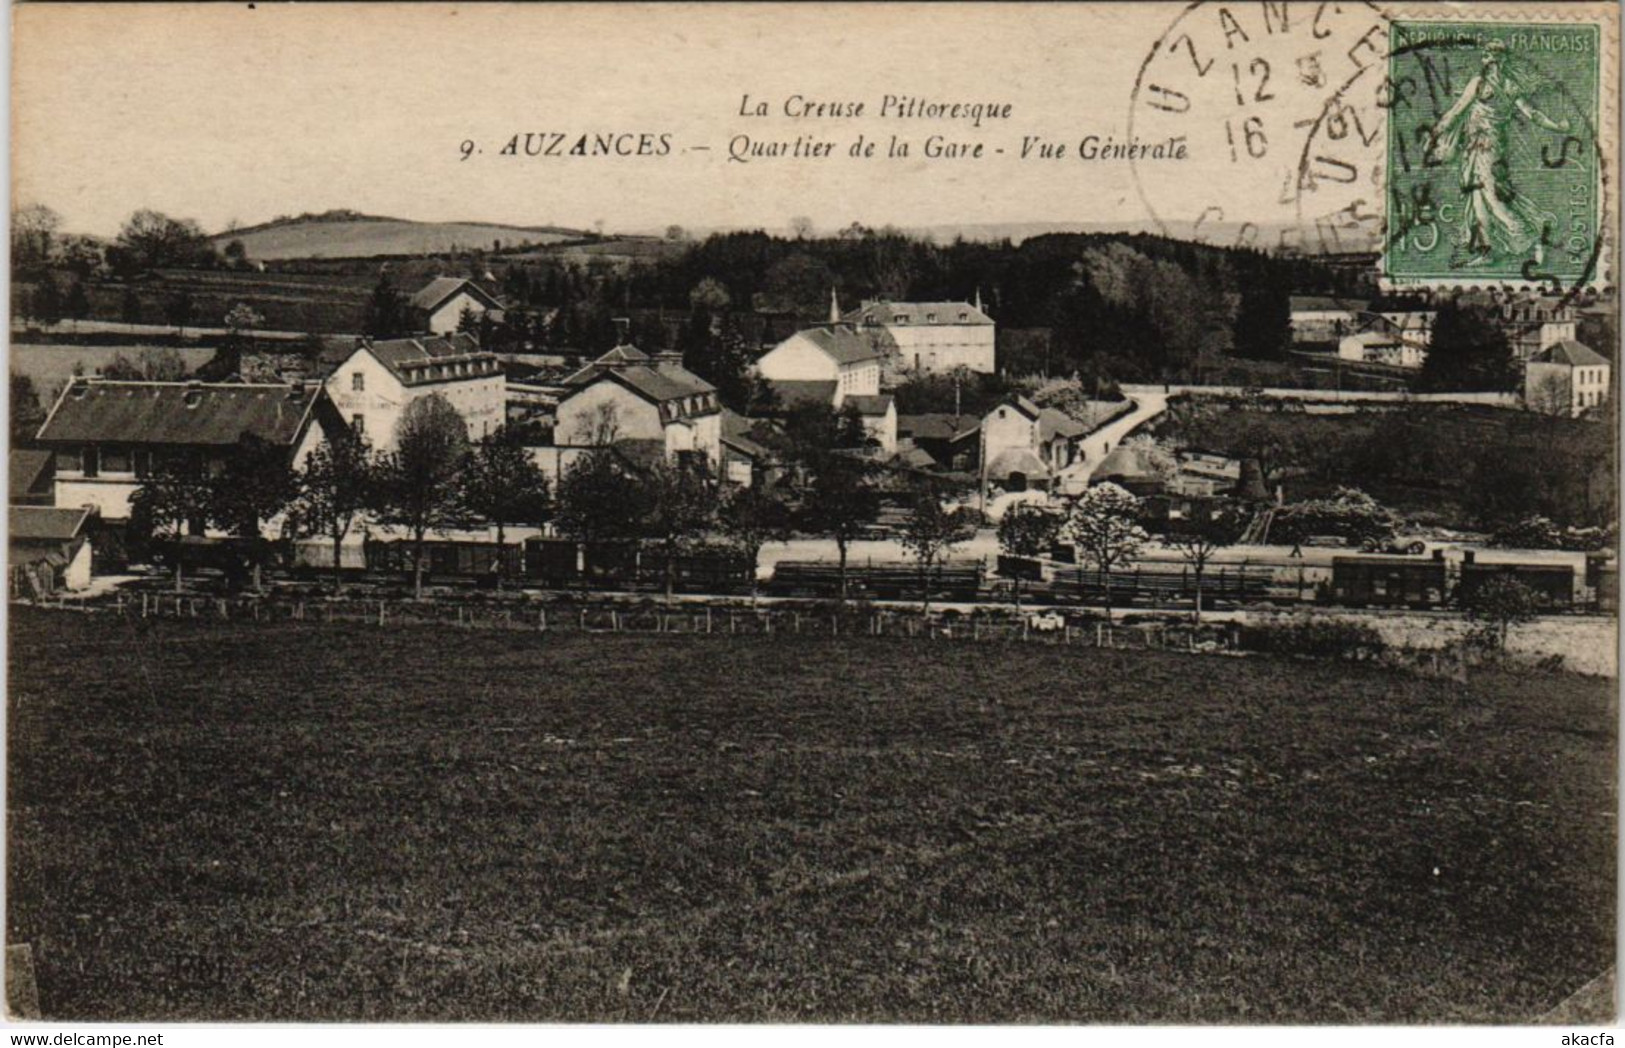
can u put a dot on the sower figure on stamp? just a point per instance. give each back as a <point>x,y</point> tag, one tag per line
<point>1496,218</point>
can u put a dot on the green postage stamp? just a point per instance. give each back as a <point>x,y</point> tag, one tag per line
<point>1494,166</point>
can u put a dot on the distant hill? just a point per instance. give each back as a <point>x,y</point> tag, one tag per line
<point>1223,234</point>
<point>349,234</point>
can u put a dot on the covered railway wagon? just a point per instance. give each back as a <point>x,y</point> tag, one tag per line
<point>443,558</point>
<point>1149,582</point>
<point>885,581</point>
<point>1154,583</point>
<point>568,564</point>
<point>1552,584</point>
<point>1387,582</point>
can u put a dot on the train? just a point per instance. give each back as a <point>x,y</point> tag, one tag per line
<point>567,564</point>
<point>1352,580</point>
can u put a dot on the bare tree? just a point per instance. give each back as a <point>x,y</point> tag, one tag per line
<point>418,481</point>
<point>1027,530</point>
<point>335,486</point>
<point>1102,524</point>
<point>930,532</point>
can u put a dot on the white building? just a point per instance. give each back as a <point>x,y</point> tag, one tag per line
<point>932,337</point>
<point>375,383</point>
<point>1322,318</point>
<point>1025,446</point>
<point>1535,324</point>
<point>879,414</point>
<point>627,396</point>
<point>438,306</point>
<point>50,546</point>
<point>1566,379</point>
<point>108,437</point>
<point>1382,346</point>
<point>835,354</point>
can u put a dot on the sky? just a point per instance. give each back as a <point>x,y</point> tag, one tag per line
<point>224,113</point>
<point>240,113</point>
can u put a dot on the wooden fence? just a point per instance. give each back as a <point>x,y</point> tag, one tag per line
<point>678,619</point>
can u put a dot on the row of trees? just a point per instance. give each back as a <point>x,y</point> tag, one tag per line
<point>147,241</point>
<point>433,479</point>
<point>1104,525</point>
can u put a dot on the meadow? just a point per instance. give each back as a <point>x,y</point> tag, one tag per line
<point>213,820</point>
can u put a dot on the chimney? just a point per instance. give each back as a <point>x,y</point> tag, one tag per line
<point>834,307</point>
<point>979,308</point>
<point>669,358</point>
<point>623,330</point>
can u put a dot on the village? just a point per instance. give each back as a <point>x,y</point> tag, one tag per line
<point>545,624</point>
<point>456,453</point>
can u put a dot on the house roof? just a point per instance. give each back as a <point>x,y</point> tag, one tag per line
<point>414,361</point>
<point>1053,422</point>
<point>917,314</point>
<point>438,291</point>
<point>1124,461</point>
<point>620,356</point>
<point>870,405</point>
<point>1385,337</point>
<point>1572,353</point>
<point>662,383</point>
<point>46,523</point>
<point>914,457</point>
<point>938,425</point>
<point>189,413</point>
<point>843,344</point>
<point>655,379</point>
<point>1016,460</point>
<point>795,392</point>
<point>641,452</point>
<point>1325,304</point>
<point>740,433</point>
<point>27,470</point>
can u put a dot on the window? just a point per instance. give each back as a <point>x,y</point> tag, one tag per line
<point>358,383</point>
<point>143,462</point>
<point>116,460</point>
<point>901,318</point>
<point>69,460</point>
<point>92,461</point>
<point>930,318</point>
<point>964,316</point>
<point>358,423</point>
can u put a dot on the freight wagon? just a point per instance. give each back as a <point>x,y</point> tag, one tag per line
<point>1387,582</point>
<point>568,564</point>
<point>1552,584</point>
<point>1157,583</point>
<point>481,561</point>
<point>885,581</point>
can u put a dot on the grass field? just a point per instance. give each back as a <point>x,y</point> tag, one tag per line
<point>381,236</point>
<point>209,820</point>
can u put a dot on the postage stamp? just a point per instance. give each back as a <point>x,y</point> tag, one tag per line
<point>1493,165</point>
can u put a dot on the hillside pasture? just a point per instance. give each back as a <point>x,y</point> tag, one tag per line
<point>370,237</point>
<point>214,820</point>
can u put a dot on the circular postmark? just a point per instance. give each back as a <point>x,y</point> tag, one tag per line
<point>1458,153</point>
<point>1245,87</point>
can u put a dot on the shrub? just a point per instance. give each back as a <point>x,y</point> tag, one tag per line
<point>1328,638</point>
<point>1350,513</point>
<point>1498,605</point>
<point>1538,532</point>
